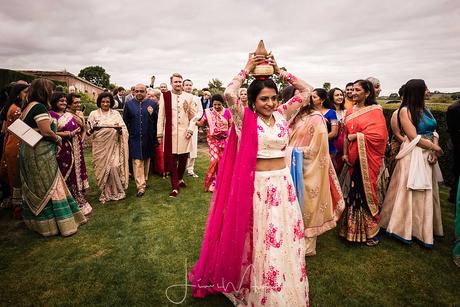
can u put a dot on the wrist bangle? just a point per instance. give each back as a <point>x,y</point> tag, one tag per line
<point>244,73</point>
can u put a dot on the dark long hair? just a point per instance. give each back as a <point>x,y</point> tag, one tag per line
<point>13,98</point>
<point>40,91</point>
<point>330,96</point>
<point>414,99</point>
<point>322,93</point>
<point>55,97</point>
<point>255,87</point>
<point>368,87</point>
<point>287,93</point>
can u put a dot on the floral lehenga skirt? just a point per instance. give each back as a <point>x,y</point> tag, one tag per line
<point>279,273</point>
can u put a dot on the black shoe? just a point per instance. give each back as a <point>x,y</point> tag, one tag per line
<point>140,194</point>
<point>182,184</point>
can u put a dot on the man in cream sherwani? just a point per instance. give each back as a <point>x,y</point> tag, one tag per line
<point>176,123</point>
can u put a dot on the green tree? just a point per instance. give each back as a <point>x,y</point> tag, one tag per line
<point>215,86</point>
<point>327,86</point>
<point>112,86</point>
<point>96,75</point>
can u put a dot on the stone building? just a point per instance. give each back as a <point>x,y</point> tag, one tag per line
<point>80,84</point>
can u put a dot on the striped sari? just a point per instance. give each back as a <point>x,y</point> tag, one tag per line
<point>48,206</point>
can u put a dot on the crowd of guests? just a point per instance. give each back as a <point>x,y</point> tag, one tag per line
<point>298,163</point>
<point>280,166</point>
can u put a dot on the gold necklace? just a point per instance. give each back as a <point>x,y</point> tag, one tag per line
<point>266,121</point>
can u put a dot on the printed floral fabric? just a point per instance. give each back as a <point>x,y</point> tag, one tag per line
<point>279,274</point>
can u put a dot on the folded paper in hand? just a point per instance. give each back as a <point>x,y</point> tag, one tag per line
<point>25,132</point>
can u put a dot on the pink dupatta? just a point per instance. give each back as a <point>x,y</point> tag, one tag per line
<point>226,251</point>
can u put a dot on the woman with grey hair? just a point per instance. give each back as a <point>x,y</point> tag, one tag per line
<point>376,83</point>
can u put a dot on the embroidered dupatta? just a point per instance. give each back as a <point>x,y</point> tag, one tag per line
<point>226,252</point>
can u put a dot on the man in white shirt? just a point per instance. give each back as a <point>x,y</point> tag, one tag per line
<point>188,88</point>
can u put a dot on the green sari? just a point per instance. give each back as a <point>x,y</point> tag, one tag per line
<point>456,250</point>
<point>48,207</point>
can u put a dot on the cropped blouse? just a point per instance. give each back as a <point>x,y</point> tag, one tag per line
<point>272,139</point>
<point>427,123</point>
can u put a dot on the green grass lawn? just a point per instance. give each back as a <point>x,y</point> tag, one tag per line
<point>131,251</point>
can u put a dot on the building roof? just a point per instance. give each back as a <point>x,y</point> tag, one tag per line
<point>63,73</point>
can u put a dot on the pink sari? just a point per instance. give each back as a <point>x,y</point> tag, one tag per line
<point>226,251</point>
<point>217,138</point>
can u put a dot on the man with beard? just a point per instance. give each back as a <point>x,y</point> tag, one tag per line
<point>141,118</point>
<point>176,123</point>
<point>349,95</point>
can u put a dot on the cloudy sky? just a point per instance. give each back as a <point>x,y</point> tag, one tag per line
<point>321,41</point>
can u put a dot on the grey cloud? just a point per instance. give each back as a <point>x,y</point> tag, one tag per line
<point>335,41</point>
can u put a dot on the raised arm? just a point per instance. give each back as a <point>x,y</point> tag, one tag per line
<point>231,92</point>
<point>293,105</point>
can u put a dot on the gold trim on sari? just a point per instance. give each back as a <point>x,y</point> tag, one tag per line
<point>363,111</point>
<point>365,174</point>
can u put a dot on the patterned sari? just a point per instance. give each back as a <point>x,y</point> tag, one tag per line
<point>366,154</point>
<point>322,201</point>
<point>48,206</point>
<point>217,138</point>
<point>71,158</point>
<point>110,154</point>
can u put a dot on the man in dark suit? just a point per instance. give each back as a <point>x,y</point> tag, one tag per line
<point>119,97</point>
<point>206,99</point>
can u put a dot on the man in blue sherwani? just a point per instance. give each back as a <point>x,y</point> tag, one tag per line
<point>140,115</point>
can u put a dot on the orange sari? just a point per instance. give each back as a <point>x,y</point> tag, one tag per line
<point>366,153</point>
<point>9,166</point>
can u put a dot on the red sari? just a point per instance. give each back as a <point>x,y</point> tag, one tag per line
<point>365,154</point>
